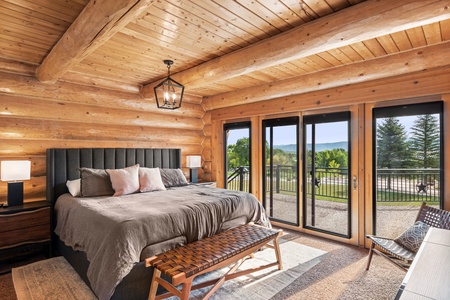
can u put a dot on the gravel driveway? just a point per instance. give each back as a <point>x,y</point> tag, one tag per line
<point>332,216</point>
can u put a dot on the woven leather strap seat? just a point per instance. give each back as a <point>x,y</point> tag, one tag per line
<point>183,264</point>
<point>398,254</point>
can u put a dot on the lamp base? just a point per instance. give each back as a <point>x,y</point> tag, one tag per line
<point>15,193</point>
<point>193,174</point>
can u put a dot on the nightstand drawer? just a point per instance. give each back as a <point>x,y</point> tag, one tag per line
<point>25,227</point>
<point>36,234</point>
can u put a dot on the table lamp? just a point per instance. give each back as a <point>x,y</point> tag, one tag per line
<point>194,162</point>
<point>13,171</point>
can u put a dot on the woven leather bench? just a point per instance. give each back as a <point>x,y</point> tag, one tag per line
<point>183,264</point>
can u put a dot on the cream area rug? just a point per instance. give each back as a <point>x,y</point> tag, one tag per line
<point>55,279</point>
<point>263,285</point>
<point>50,279</point>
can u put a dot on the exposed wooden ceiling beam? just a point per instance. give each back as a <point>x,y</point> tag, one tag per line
<point>364,21</point>
<point>429,57</point>
<point>95,25</point>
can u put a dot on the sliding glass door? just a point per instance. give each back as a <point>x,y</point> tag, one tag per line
<point>408,164</point>
<point>326,173</point>
<point>280,169</point>
<point>237,141</point>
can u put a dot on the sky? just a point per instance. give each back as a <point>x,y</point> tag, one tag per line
<point>325,133</point>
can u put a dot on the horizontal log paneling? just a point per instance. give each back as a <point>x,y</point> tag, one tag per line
<point>20,128</point>
<point>36,116</point>
<point>39,108</point>
<point>407,86</point>
<point>25,148</point>
<point>88,80</point>
<point>29,86</point>
<point>12,66</point>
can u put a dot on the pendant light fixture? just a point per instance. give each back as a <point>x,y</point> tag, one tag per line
<point>169,93</point>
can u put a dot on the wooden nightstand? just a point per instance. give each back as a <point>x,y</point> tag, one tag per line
<point>24,228</point>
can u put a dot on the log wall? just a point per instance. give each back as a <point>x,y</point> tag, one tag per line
<point>35,116</point>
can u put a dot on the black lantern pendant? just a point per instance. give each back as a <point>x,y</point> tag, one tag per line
<point>169,93</point>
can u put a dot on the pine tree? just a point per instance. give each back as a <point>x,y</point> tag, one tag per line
<point>392,146</point>
<point>425,141</point>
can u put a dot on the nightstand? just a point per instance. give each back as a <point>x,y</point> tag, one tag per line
<point>24,229</point>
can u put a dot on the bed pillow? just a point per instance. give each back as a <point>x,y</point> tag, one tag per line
<point>173,177</point>
<point>95,182</point>
<point>150,180</point>
<point>74,187</point>
<point>124,181</point>
<point>412,238</point>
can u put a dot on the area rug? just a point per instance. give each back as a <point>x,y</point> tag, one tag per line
<point>55,279</point>
<point>50,279</point>
<point>263,285</point>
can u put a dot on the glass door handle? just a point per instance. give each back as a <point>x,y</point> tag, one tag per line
<point>355,182</point>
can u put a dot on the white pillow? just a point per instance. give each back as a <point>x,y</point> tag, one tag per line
<point>74,187</point>
<point>150,180</point>
<point>124,181</point>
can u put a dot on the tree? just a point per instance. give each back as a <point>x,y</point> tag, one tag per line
<point>239,153</point>
<point>392,146</point>
<point>425,141</point>
<point>325,157</point>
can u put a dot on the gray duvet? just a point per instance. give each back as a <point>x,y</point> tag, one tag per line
<point>113,231</point>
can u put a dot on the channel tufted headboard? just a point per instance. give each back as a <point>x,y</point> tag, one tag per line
<point>63,164</point>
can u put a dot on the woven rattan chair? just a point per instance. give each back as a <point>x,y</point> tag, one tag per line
<point>397,254</point>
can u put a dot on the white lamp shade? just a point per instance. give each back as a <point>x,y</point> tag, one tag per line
<point>12,170</point>
<point>194,161</point>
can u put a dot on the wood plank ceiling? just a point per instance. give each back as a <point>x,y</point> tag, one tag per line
<point>240,39</point>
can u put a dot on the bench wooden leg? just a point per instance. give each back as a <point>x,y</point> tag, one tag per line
<point>222,279</point>
<point>154,284</point>
<point>276,246</point>
<point>186,290</point>
<point>179,278</point>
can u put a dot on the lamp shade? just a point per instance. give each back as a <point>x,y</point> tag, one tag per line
<point>12,170</point>
<point>194,161</point>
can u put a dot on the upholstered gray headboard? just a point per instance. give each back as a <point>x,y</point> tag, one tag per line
<point>63,164</point>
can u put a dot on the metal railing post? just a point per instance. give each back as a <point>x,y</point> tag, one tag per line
<point>241,178</point>
<point>277,175</point>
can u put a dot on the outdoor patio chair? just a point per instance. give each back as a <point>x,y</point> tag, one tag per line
<point>395,250</point>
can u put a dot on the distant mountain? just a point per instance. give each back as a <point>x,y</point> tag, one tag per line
<point>319,147</point>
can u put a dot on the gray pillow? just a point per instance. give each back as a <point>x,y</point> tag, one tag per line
<point>412,238</point>
<point>95,182</point>
<point>173,177</point>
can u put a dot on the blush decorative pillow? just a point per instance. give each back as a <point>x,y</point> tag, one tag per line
<point>150,180</point>
<point>173,177</point>
<point>95,182</point>
<point>74,187</point>
<point>412,238</point>
<point>124,181</point>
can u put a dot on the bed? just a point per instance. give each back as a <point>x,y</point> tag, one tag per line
<point>107,238</point>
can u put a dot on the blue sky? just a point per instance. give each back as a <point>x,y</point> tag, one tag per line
<point>325,133</point>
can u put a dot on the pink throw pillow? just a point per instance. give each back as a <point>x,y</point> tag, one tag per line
<point>124,181</point>
<point>150,180</point>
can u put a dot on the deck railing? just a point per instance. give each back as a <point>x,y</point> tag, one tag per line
<point>393,185</point>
